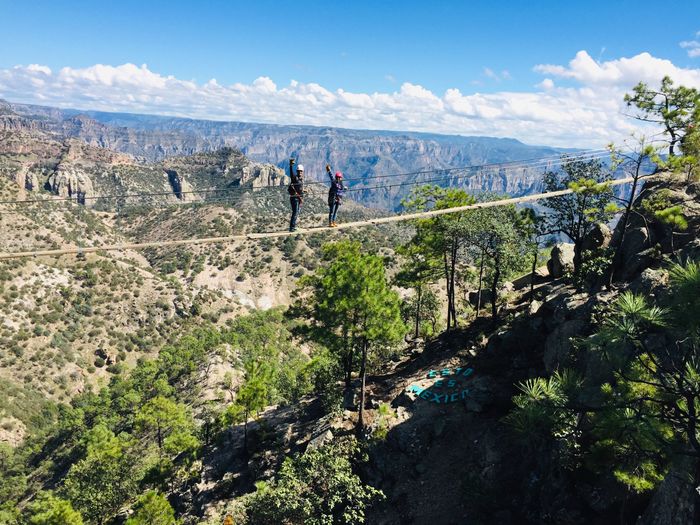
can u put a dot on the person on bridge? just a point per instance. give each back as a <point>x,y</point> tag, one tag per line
<point>296,192</point>
<point>335,195</point>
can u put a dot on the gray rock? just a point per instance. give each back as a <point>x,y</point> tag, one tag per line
<point>485,297</point>
<point>651,282</point>
<point>561,260</point>
<point>598,237</point>
<point>558,344</point>
<point>70,181</point>
<point>673,501</point>
<point>320,440</point>
<point>636,240</point>
<point>533,307</point>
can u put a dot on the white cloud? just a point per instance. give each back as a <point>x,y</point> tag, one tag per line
<point>546,84</point>
<point>585,109</point>
<point>692,47</point>
<point>490,73</point>
<point>642,67</point>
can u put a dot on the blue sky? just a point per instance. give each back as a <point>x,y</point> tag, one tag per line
<point>358,47</point>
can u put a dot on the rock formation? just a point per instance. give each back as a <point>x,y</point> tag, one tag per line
<point>561,260</point>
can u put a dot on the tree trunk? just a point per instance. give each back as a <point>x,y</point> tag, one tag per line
<point>447,285</point>
<point>363,375</point>
<point>452,284</point>
<point>348,369</point>
<point>577,258</point>
<point>481,281</point>
<point>494,289</point>
<point>245,433</point>
<point>419,296</point>
<point>159,435</point>
<point>347,361</point>
<point>532,276</point>
<point>578,238</point>
<point>615,264</point>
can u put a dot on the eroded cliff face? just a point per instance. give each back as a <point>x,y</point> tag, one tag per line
<point>36,159</point>
<point>360,154</point>
<point>69,181</point>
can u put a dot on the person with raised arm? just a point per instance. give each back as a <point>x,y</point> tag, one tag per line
<point>335,195</point>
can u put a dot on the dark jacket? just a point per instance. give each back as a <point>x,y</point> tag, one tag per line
<point>296,186</point>
<point>337,189</point>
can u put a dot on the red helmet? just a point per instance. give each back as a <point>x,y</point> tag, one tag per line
<point>338,175</point>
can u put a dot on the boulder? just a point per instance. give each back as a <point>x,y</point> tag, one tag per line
<point>505,288</point>
<point>320,440</point>
<point>561,260</point>
<point>485,297</point>
<point>558,344</point>
<point>599,237</point>
<point>635,242</point>
<point>651,283</point>
<point>533,307</point>
<point>673,502</point>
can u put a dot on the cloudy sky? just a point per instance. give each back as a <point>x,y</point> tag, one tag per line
<point>548,73</point>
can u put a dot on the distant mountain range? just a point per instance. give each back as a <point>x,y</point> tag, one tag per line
<point>360,154</point>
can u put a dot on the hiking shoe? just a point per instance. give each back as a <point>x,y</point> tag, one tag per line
<point>292,229</point>
<point>334,224</point>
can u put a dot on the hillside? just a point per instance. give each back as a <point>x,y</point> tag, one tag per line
<point>436,462</point>
<point>423,372</point>
<point>71,324</point>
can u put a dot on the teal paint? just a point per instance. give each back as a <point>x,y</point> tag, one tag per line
<point>442,397</point>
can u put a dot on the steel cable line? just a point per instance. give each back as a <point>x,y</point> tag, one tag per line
<point>246,194</point>
<point>509,165</point>
<point>530,163</point>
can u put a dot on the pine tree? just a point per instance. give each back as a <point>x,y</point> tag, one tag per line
<point>671,107</point>
<point>354,308</point>
<point>152,508</point>
<point>48,509</point>
<point>575,214</point>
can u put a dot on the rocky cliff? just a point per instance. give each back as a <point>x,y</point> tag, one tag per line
<point>40,159</point>
<point>360,154</point>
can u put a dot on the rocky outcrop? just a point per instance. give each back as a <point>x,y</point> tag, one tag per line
<point>599,237</point>
<point>262,176</point>
<point>673,502</point>
<point>70,181</point>
<point>558,346</point>
<point>182,188</point>
<point>561,260</point>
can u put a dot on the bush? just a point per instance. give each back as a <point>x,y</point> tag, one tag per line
<point>316,488</point>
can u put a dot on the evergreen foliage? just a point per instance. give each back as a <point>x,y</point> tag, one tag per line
<point>319,487</point>
<point>152,508</point>
<point>575,214</point>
